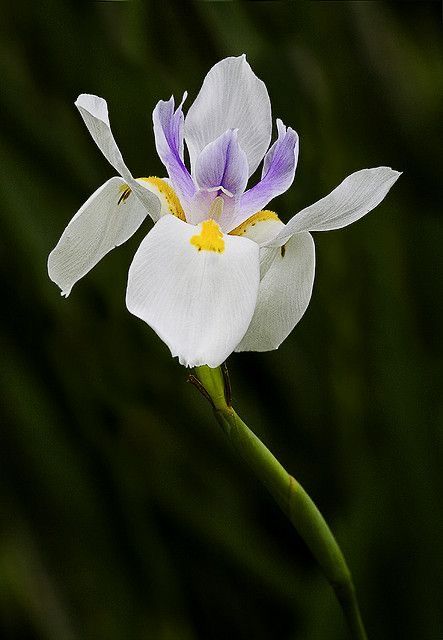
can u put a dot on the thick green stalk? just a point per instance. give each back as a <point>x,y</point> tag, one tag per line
<point>288,493</point>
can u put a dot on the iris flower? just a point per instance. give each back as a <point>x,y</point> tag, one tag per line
<point>218,272</point>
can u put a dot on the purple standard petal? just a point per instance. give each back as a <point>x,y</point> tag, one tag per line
<point>222,165</point>
<point>168,132</point>
<point>277,175</point>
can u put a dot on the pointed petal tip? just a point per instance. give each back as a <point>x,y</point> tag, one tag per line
<point>392,175</point>
<point>231,96</point>
<point>64,293</point>
<point>85,96</point>
<point>94,105</point>
<point>87,99</point>
<point>390,169</point>
<point>282,129</point>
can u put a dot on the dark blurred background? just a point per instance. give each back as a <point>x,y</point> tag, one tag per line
<point>124,515</point>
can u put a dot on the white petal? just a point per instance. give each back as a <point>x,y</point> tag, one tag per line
<point>231,97</point>
<point>94,112</point>
<point>200,303</point>
<point>283,295</point>
<point>262,227</point>
<point>169,201</point>
<point>100,225</point>
<point>358,194</point>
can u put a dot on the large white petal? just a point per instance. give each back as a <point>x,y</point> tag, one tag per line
<point>358,194</point>
<point>94,112</point>
<point>231,97</point>
<point>108,218</point>
<point>284,293</point>
<point>200,303</point>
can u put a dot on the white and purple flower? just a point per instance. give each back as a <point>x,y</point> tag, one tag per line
<point>217,272</point>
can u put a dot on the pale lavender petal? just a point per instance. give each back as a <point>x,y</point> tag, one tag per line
<point>278,172</point>
<point>222,165</point>
<point>168,132</point>
<point>200,205</point>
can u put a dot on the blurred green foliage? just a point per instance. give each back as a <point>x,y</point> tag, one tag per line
<point>123,513</point>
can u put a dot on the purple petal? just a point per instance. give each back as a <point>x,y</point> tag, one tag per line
<point>222,165</point>
<point>278,172</point>
<point>168,132</point>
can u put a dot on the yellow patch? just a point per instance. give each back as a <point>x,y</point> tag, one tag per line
<point>216,208</point>
<point>260,216</point>
<point>166,192</point>
<point>210,238</point>
<point>172,201</point>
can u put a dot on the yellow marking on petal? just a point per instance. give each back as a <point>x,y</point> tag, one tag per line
<point>260,216</point>
<point>166,193</point>
<point>216,208</point>
<point>210,237</point>
<point>172,201</point>
<point>125,193</point>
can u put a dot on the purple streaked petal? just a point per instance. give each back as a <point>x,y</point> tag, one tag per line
<point>168,132</point>
<point>222,165</point>
<point>278,172</point>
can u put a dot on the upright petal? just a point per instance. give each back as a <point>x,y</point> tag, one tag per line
<point>94,112</point>
<point>222,165</point>
<point>284,293</point>
<point>358,194</point>
<point>168,132</point>
<point>196,288</point>
<point>232,97</point>
<point>278,172</point>
<point>108,218</point>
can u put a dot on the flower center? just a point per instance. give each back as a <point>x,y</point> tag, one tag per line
<point>210,237</point>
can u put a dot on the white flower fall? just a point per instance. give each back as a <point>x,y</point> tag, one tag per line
<point>217,272</point>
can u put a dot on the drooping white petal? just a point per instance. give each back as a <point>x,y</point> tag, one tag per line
<point>200,302</point>
<point>107,219</point>
<point>231,97</point>
<point>94,112</point>
<point>358,194</point>
<point>284,293</point>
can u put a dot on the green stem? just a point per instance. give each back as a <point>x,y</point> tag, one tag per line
<point>288,493</point>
